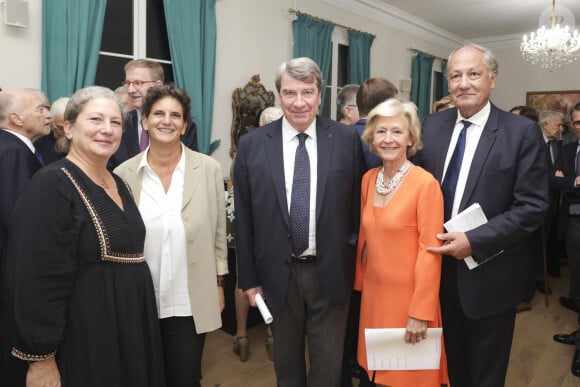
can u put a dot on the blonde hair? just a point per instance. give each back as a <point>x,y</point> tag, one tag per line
<point>395,108</point>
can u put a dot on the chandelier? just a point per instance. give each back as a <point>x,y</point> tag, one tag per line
<point>554,47</point>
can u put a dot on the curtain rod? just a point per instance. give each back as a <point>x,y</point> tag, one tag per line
<point>298,13</point>
<point>414,50</point>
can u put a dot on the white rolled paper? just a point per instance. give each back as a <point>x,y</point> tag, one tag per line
<point>263,308</point>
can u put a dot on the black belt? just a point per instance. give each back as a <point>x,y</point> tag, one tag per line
<point>304,259</point>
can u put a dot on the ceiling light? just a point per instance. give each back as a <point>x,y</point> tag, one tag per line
<point>556,46</point>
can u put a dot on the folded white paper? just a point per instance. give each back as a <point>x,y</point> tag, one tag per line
<point>468,219</point>
<point>263,308</point>
<point>387,350</point>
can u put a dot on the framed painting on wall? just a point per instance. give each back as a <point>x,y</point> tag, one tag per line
<point>560,101</point>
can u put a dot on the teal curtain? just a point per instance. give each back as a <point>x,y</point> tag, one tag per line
<point>444,72</point>
<point>313,39</point>
<point>421,70</point>
<point>71,39</point>
<point>191,28</point>
<point>359,50</point>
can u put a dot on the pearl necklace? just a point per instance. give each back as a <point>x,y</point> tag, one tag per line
<point>385,189</point>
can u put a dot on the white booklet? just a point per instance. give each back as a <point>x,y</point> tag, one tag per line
<point>468,219</point>
<point>387,350</point>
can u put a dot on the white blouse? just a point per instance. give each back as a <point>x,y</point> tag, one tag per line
<point>165,250</point>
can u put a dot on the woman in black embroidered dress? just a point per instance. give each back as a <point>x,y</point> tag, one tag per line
<point>84,300</point>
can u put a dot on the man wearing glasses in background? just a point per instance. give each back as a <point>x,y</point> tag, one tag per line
<point>140,75</point>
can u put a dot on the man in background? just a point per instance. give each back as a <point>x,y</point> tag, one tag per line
<point>371,92</point>
<point>346,109</point>
<point>140,76</point>
<point>24,118</point>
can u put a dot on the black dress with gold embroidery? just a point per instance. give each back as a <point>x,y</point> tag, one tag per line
<point>81,286</point>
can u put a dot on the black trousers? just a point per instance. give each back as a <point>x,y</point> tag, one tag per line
<point>182,351</point>
<point>478,351</point>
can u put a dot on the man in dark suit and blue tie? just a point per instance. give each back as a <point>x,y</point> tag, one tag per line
<point>24,118</point>
<point>497,159</point>
<point>297,195</point>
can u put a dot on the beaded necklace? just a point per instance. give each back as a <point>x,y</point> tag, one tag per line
<point>387,188</point>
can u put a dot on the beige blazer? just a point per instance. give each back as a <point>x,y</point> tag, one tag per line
<point>204,219</point>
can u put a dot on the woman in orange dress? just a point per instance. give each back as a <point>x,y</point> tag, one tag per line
<point>401,215</point>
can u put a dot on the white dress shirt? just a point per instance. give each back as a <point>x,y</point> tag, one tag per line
<point>165,250</point>
<point>472,137</point>
<point>289,144</point>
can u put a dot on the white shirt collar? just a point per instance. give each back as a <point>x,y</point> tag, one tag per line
<point>288,131</point>
<point>180,165</point>
<point>479,118</point>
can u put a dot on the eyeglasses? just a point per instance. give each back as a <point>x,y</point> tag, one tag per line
<point>136,84</point>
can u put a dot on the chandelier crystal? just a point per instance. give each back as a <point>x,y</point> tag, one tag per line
<point>551,48</point>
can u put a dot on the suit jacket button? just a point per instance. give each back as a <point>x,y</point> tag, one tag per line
<point>192,262</point>
<point>189,240</point>
<point>186,217</point>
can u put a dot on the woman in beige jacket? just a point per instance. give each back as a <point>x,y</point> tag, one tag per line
<point>187,258</point>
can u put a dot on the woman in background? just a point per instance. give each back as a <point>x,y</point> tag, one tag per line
<point>84,300</point>
<point>180,194</point>
<point>401,214</point>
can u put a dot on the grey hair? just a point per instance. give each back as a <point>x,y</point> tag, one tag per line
<point>58,107</point>
<point>6,103</point>
<point>347,96</point>
<point>488,58</point>
<point>547,115</point>
<point>77,102</point>
<point>303,69</point>
<point>270,114</point>
<point>76,105</point>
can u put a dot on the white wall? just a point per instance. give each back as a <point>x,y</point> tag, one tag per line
<point>255,37</point>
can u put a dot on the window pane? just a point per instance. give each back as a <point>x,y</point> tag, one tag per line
<point>157,40</point>
<point>110,71</point>
<point>343,66</point>
<point>437,86</point>
<point>118,27</point>
<point>325,108</point>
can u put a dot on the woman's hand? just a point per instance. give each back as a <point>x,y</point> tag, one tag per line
<point>416,330</point>
<point>43,373</point>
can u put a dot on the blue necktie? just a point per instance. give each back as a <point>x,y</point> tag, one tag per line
<point>300,199</point>
<point>39,157</point>
<point>452,174</point>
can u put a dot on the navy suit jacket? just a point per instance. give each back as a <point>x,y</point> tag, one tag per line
<point>262,220</point>
<point>566,163</point>
<point>509,179</point>
<point>129,146</point>
<point>371,160</point>
<point>17,165</point>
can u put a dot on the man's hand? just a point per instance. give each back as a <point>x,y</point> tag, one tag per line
<point>251,294</point>
<point>455,244</point>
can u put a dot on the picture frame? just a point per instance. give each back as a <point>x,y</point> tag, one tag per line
<point>560,101</point>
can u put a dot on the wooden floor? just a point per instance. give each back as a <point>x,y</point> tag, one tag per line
<point>536,360</point>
